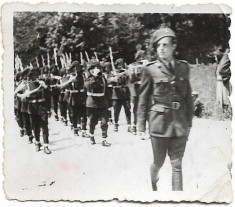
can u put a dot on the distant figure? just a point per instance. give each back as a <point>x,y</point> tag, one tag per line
<point>198,105</point>
<point>223,89</point>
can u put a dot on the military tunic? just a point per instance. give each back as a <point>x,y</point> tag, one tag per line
<point>165,100</point>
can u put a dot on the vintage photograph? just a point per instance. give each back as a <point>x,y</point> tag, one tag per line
<point>112,104</point>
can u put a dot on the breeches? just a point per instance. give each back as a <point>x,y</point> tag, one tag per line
<point>95,114</point>
<point>117,105</point>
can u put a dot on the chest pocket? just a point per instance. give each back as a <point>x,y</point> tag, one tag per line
<point>182,85</point>
<point>161,85</point>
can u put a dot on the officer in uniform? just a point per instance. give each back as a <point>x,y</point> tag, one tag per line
<point>120,93</point>
<point>97,102</point>
<point>166,82</point>
<point>38,108</point>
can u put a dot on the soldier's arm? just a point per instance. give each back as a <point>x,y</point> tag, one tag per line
<point>63,85</point>
<point>28,93</point>
<point>144,97</point>
<point>189,100</point>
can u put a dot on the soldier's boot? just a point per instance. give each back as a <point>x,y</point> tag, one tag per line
<point>154,170</point>
<point>134,130</point>
<point>21,132</point>
<point>38,145</point>
<point>105,143</point>
<point>56,117</point>
<point>75,131</point>
<point>92,139</point>
<point>30,141</point>
<point>129,129</point>
<point>47,150</point>
<point>83,133</point>
<point>116,127</point>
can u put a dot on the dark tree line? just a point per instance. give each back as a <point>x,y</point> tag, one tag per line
<point>38,33</point>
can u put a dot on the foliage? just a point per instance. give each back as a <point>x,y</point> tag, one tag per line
<point>36,33</point>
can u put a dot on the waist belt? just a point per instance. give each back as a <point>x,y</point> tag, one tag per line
<point>37,100</point>
<point>138,82</point>
<point>120,87</point>
<point>175,105</point>
<point>75,91</point>
<point>95,94</point>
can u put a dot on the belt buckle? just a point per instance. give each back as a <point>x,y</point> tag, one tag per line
<point>175,105</point>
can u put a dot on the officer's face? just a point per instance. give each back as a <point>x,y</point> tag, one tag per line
<point>165,48</point>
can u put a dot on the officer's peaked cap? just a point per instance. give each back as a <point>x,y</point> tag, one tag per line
<point>161,33</point>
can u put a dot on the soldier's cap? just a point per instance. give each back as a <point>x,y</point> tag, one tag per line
<point>25,72</point>
<point>161,33</point>
<point>147,41</point>
<point>139,54</point>
<point>119,61</point>
<point>73,65</point>
<point>107,64</point>
<point>194,93</point>
<point>62,72</point>
<point>92,64</point>
<point>34,71</point>
<point>18,75</point>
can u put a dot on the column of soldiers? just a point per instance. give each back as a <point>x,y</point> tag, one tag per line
<point>84,93</point>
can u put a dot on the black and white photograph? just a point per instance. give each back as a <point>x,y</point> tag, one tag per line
<point>107,102</point>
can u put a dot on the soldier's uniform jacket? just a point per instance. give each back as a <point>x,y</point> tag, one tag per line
<point>97,92</point>
<point>120,89</point>
<point>135,78</point>
<point>77,91</point>
<point>64,92</point>
<point>170,110</point>
<point>37,100</point>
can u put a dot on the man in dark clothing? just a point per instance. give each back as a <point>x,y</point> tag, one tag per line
<point>166,82</point>
<point>120,93</point>
<point>38,109</point>
<point>77,98</point>
<point>97,102</point>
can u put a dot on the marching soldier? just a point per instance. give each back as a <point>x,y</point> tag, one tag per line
<point>55,92</point>
<point>38,109</point>
<point>17,102</point>
<point>135,71</point>
<point>97,102</point>
<point>63,102</point>
<point>166,82</point>
<point>77,98</point>
<point>23,106</point>
<point>107,71</point>
<point>120,93</point>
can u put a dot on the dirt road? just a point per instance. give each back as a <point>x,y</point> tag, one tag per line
<point>77,170</point>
